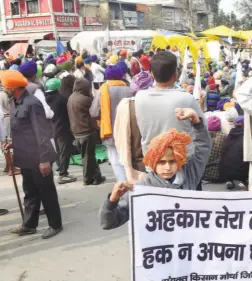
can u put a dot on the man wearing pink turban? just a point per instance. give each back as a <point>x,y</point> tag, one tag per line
<point>212,172</point>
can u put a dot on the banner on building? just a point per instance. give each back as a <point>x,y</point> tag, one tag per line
<point>92,21</point>
<point>179,235</point>
<point>31,23</point>
<point>42,22</point>
<point>67,21</point>
<point>142,8</point>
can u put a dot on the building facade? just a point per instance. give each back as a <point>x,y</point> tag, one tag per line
<point>135,14</point>
<point>25,20</point>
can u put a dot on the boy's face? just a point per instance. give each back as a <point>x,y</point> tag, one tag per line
<point>167,166</point>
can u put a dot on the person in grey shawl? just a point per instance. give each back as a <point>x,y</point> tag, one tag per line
<point>167,157</point>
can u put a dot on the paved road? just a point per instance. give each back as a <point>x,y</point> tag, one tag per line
<point>82,252</point>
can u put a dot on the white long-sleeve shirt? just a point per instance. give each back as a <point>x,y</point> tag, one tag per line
<point>34,90</point>
<point>98,72</point>
<point>41,97</point>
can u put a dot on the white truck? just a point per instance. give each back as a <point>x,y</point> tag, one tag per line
<point>95,41</point>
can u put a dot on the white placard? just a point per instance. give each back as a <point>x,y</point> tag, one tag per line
<point>179,235</point>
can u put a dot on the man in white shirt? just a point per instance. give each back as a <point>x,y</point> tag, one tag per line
<point>98,72</point>
<point>176,52</point>
<point>201,59</point>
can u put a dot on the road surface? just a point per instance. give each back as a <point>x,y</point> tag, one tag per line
<point>82,252</point>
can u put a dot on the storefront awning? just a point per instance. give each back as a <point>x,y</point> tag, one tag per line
<point>23,36</point>
<point>49,44</point>
<point>66,36</point>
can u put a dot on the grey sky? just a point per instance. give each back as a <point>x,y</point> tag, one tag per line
<point>227,5</point>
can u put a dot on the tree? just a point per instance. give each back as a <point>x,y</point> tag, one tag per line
<point>229,20</point>
<point>190,6</point>
<point>216,12</point>
<point>234,21</point>
<point>245,8</point>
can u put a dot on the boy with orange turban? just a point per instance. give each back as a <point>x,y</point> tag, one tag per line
<point>167,157</point>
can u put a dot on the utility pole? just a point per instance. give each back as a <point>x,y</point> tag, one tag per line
<point>53,20</point>
<point>2,17</point>
<point>190,14</point>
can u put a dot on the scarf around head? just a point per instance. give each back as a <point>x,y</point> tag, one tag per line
<point>105,122</point>
<point>158,146</point>
<point>141,81</point>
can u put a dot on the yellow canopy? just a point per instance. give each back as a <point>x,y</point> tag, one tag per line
<point>247,34</point>
<point>224,31</point>
<point>181,41</point>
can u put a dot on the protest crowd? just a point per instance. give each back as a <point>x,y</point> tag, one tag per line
<point>163,124</point>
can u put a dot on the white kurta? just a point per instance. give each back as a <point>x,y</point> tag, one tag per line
<point>244,97</point>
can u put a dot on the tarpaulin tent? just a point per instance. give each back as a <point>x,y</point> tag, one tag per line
<point>181,41</point>
<point>18,49</point>
<point>223,31</point>
<point>247,34</point>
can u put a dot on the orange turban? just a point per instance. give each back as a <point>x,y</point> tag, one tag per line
<point>12,79</point>
<point>123,53</point>
<point>78,59</point>
<point>158,146</point>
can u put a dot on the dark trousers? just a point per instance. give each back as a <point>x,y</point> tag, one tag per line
<point>39,189</point>
<point>86,146</point>
<point>64,150</point>
<point>199,187</point>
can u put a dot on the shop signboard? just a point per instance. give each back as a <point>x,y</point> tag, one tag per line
<point>67,21</point>
<point>28,23</point>
<point>92,21</point>
<point>41,23</point>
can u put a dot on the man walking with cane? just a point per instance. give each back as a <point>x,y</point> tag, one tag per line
<point>33,154</point>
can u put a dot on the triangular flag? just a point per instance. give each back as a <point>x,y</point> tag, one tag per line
<point>107,35</point>
<point>183,75</point>
<point>230,40</point>
<point>184,70</point>
<point>60,48</point>
<point>197,86</point>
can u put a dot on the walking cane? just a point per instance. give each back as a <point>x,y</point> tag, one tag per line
<point>8,155</point>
